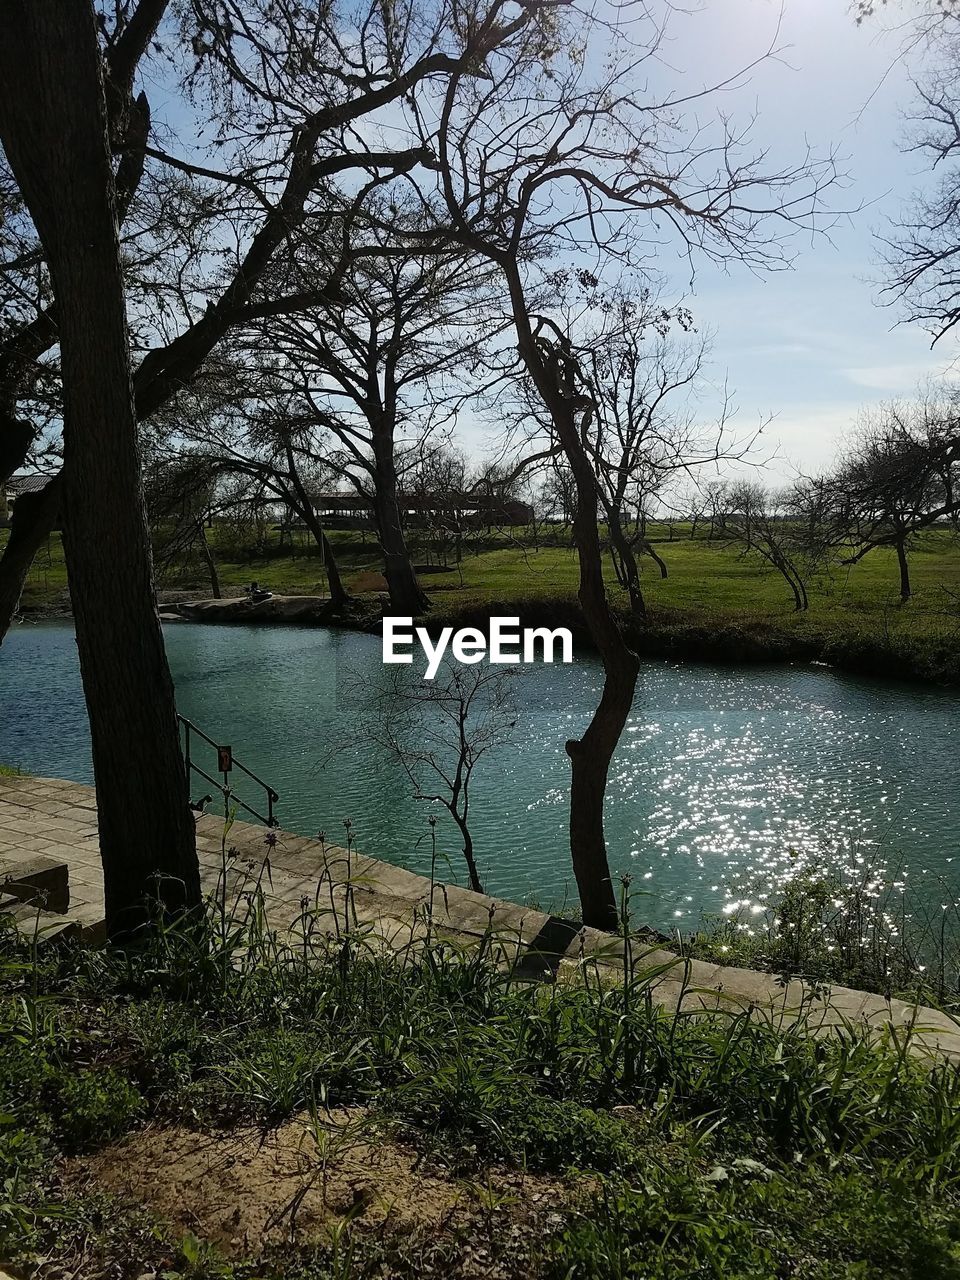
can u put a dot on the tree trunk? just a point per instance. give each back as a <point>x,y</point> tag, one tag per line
<point>32,522</point>
<point>468,856</point>
<point>652,553</point>
<point>787,570</point>
<point>590,756</point>
<point>797,597</point>
<point>339,597</point>
<point>407,597</point>
<point>209,561</point>
<point>338,593</point>
<point>54,132</point>
<point>904,571</point>
<point>628,571</point>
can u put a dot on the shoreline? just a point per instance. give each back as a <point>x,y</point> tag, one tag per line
<point>677,635</point>
<point>49,828</point>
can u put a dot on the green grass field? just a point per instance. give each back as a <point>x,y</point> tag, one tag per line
<point>708,584</point>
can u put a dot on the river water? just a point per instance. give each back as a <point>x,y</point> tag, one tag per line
<point>727,780</point>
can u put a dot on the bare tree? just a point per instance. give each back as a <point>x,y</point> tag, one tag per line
<point>440,731</point>
<point>920,252</point>
<point>379,370</point>
<point>643,382</point>
<point>436,488</point>
<point>758,521</point>
<point>236,420</point>
<point>559,491</point>
<point>899,475</point>
<point>180,500</point>
<point>533,165</point>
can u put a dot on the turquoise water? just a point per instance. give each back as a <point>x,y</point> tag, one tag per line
<point>727,780</point>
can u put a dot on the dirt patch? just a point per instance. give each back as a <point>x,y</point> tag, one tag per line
<point>243,1188</point>
<point>367,580</point>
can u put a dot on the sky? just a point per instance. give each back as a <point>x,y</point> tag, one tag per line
<point>810,346</point>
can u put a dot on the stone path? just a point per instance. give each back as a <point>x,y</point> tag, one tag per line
<point>47,825</point>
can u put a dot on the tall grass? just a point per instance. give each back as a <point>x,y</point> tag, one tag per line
<point>452,1046</point>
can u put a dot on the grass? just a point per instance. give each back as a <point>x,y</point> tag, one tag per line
<point>714,603</point>
<point>680,1143</point>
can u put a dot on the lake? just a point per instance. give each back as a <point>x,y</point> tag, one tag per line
<point>727,781</point>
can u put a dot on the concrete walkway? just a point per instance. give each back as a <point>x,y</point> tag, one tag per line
<point>47,824</point>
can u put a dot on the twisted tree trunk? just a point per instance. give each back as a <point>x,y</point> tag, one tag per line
<point>554,374</point>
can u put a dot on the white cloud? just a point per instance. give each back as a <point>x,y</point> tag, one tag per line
<point>899,379</point>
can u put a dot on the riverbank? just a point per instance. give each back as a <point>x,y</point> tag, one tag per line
<point>715,605</point>
<point>676,635</point>
<point>55,820</point>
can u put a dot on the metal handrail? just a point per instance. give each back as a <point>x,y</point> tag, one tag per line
<point>228,793</point>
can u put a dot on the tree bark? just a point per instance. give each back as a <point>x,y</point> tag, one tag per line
<point>209,561</point>
<point>904,570</point>
<point>33,520</point>
<point>54,131</point>
<point>407,597</point>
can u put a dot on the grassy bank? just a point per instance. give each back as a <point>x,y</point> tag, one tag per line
<point>715,604</point>
<point>229,1105</point>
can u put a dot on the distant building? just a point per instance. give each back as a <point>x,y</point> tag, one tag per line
<point>10,491</point>
<point>351,510</point>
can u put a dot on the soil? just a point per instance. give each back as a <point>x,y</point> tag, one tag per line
<point>245,1188</point>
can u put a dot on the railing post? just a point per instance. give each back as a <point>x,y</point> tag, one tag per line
<point>186,751</point>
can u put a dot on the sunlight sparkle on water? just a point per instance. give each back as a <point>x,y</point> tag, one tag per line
<point>727,783</point>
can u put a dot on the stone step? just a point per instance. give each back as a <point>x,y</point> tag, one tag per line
<point>89,920</point>
<point>31,922</point>
<point>37,879</point>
